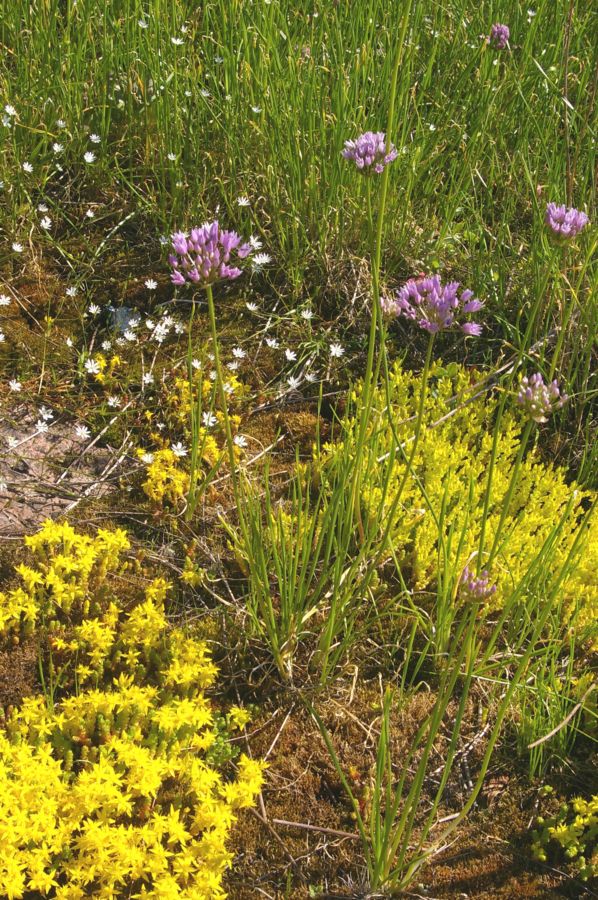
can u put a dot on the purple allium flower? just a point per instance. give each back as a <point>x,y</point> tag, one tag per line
<point>204,256</point>
<point>499,36</point>
<point>565,223</point>
<point>539,399</point>
<point>369,150</point>
<point>473,587</point>
<point>434,306</point>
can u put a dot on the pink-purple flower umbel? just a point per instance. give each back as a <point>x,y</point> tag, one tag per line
<point>434,306</point>
<point>475,587</point>
<point>565,223</point>
<point>499,36</point>
<point>206,255</point>
<point>370,152</point>
<point>539,399</point>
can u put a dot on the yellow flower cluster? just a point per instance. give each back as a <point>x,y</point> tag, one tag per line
<point>166,481</point>
<point>452,463</point>
<point>70,569</point>
<point>109,791</point>
<point>575,829</point>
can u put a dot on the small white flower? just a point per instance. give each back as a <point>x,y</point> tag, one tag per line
<point>293,383</point>
<point>213,375</point>
<point>205,93</point>
<point>42,208</point>
<point>2,337</point>
<point>233,366</point>
<point>243,201</point>
<point>18,248</point>
<point>41,427</point>
<point>209,419</point>
<point>252,307</point>
<point>60,123</point>
<point>172,157</point>
<point>106,345</point>
<point>92,367</point>
<point>161,426</point>
<point>228,388</point>
<point>89,214</point>
<point>27,167</point>
<point>195,364</point>
<point>10,110</point>
<point>71,292</point>
<point>89,157</point>
<point>290,355</point>
<point>177,41</point>
<point>82,432</point>
<point>69,342</point>
<point>95,138</point>
<point>113,401</point>
<point>260,260</point>
<point>179,449</point>
<point>239,353</point>
<point>255,242</point>
<point>15,385</point>
<point>256,109</point>
<point>272,342</point>
<point>12,442</point>
<point>57,148</point>
<point>150,284</point>
<point>240,440</point>
<point>184,29</point>
<point>134,322</point>
<point>307,314</point>
<point>147,458</point>
<point>4,300</point>
<point>179,328</point>
<point>310,377</point>
<point>218,59</point>
<point>129,335</point>
<point>432,127</point>
<point>93,309</point>
<point>336,350</point>
<point>147,378</point>
<point>142,24</point>
<point>46,413</point>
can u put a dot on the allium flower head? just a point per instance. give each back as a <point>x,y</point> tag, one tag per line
<point>370,152</point>
<point>475,587</point>
<point>565,223</point>
<point>434,306</point>
<point>499,36</point>
<point>539,399</point>
<point>204,256</point>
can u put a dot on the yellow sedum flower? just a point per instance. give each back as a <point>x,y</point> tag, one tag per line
<point>109,794</point>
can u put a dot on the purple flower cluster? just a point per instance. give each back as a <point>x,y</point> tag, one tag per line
<point>369,150</point>
<point>474,587</point>
<point>539,399</point>
<point>434,306</point>
<point>565,223</point>
<point>204,256</point>
<point>499,36</point>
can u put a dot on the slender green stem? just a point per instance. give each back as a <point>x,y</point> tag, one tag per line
<point>509,495</point>
<point>223,403</point>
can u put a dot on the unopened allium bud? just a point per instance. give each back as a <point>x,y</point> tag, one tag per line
<point>499,36</point>
<point>204,256</point>
<point>539,399</point>
<point>475,587</point>
<point>565,223</point>
<point>434,306</point>
<point>370,152</point>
